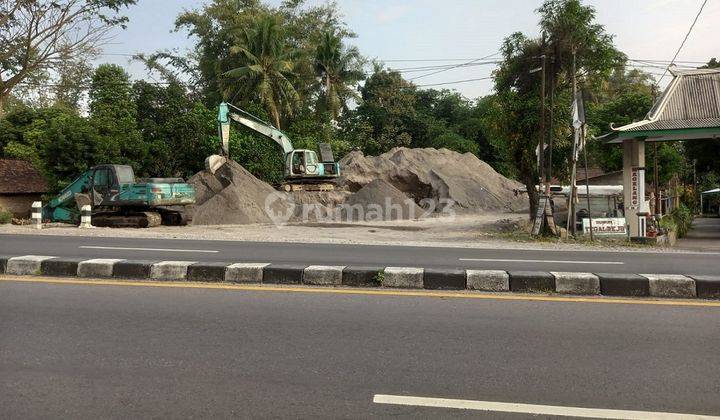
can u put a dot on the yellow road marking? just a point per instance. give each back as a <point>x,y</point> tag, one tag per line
<point>347,291</point>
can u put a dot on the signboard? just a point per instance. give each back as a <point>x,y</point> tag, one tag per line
<point>605,226</point>
<point>637,188</point>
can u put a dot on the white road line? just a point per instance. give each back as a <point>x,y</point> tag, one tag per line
<point>548,410</point>
<point>206,251</point>
<point>543,261</point>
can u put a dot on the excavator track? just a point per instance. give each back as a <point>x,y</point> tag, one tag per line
<point>145,219</point>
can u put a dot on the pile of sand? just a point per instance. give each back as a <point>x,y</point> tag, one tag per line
<point>379,200</point>
<point>400,184</point>
<point>438,175</point>
<point>232,195</point>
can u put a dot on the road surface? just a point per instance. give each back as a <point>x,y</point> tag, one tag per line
<point>122,351</point>
<point>372,255</point>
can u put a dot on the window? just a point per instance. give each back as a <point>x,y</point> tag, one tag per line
<point>125,174</point>
<point>101,178</point>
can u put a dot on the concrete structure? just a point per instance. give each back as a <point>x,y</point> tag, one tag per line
<point>689,110</point>
<point>20,185</point>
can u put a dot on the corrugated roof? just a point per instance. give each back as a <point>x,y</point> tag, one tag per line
<point>20,177</point>
<point>691,100</point>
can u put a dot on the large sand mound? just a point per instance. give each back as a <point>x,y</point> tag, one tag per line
<point>379,200</point>
<point>232,195</point>
<point>435,174</point>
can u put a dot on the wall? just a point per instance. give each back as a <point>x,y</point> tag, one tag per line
<point>20,205</point>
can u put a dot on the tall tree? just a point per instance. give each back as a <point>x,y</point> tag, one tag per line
<point>113,113</point>
<point>36,35</point>
<point>340,69</point>
<point>568,28</point>
<point>266,70</point>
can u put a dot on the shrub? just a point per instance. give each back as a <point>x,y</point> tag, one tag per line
<point>682,218</point>
<point>668,224</point>
<point>5,217</point>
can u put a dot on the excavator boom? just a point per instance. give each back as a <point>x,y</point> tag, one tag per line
<point>251,122</point>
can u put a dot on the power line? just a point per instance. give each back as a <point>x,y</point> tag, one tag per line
<point>684,40</point>
<point>454,67</point>
<point>456,81</point>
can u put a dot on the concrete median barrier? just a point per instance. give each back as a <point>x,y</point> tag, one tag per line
<point>283,274</point>
<point>612,284</point>
<point>99,267</point>
<point>60,267</point>
<point>26,265</point>
<point>170,270</point>
<point>488,280</point>
<point>671,285</point>
<point>245,273</point>
<point>361,276</point>
<point>531,282</point>
<point>136,269</point>
<point>707,287</point>
<point>567,283</point>
<point>576,283</point>
<point>444,279</point>
<point>3,263</point>
<point>207,272</point>
<point>323,275</point>
<point>403,277</point>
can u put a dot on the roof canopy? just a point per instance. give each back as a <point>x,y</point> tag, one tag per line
<point>689,109</point>
<point>20,177</point>
<point>715,191</point>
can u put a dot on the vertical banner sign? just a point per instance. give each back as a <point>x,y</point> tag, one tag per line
<point>637,188</point>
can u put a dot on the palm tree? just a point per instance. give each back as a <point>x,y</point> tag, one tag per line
<point>267,67</point>
<point>339,69</point>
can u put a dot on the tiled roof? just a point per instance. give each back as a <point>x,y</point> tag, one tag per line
<point>692,100</point>
<point>20,177</point>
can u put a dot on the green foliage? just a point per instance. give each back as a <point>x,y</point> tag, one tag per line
<point>682,217</point>
<point>668,224</point>
<point>179,133</point>
<point>5,217</point>
<point>569,28</point>
<point>113,113</point>
<point>339,69</point>
<point>266,68</point>
<point>56,140</point>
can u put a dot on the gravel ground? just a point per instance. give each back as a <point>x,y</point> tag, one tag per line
<point>493,230</point>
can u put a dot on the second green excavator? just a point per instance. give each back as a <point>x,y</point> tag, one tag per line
<point>303,170</point>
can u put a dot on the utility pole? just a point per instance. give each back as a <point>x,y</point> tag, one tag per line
<point>551,134</point>
<point>571,223</point>
<point>541,166</point>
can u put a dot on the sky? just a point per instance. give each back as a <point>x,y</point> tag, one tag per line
<point>458,30</point>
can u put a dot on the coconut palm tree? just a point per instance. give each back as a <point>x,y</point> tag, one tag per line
<point>339,69</point>
<point>267,68</point>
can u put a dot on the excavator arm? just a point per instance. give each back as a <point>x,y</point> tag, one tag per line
<point>251,122</point>
<point>62,208</point>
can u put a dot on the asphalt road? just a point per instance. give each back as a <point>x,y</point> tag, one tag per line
<point>426,257</point>
<point>89,351</point>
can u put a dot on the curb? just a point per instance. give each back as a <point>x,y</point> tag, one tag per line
<point>567,283</point>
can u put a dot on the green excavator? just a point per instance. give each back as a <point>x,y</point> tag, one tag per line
<point>303,170</point>
<point>117,199</point>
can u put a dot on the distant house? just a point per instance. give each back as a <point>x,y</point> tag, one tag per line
<point>20,185</point>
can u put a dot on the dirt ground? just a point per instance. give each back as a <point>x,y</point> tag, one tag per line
<point>489,230</point>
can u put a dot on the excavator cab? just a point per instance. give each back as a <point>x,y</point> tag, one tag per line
<point>302,163</point>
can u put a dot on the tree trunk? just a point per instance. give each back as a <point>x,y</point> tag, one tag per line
<point>276,118</point>
<point>2,106</point>
<point>532,195</point>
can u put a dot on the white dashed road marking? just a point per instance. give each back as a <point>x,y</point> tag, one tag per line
<point>545,410</point>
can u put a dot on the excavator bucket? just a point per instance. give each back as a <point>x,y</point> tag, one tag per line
<point>326,153</point>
